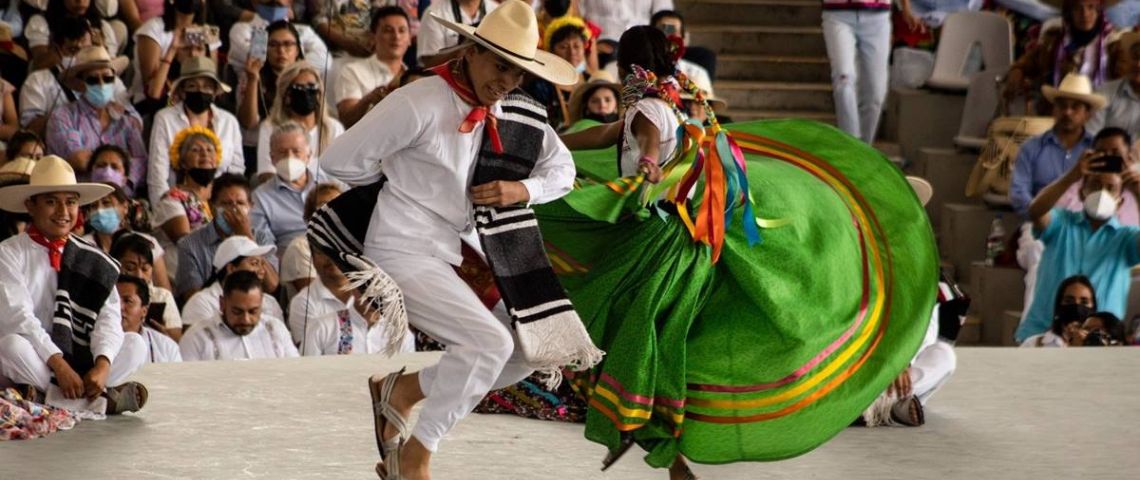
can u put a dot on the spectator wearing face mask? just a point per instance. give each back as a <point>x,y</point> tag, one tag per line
<point>1091,242</point>
<point>77,129</point>
<point>301,100</point>
<point>278,204</point>
<point>570,39</point>
<point>162,50</point>
<point>257,82</point>
<point>44,91</point>
<point>107,220</point>
<point>1075,301</point>
<point>194,155</point>
<point>110,164</point>
<point>230,202</point>
<point>194,91</point>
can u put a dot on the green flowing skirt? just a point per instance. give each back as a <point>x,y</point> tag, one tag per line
<point>777,347</point>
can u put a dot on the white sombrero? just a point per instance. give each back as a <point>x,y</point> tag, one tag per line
<point>51,174</point>
<point>1077,87</point>
<point>511,31</point>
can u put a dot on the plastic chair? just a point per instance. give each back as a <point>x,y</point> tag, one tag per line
<point>982,99</point>
<point>960,33</point>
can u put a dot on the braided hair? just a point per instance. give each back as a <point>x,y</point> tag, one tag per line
<point>648,48</point>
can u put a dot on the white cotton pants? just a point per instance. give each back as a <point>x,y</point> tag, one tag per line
<point>20,364</point>
<point>481,354</point>
<point>859,48</point>
<point>931,369</point>
<point>1029,252</point>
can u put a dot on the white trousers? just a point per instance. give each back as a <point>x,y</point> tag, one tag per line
<point>19,362</point>
<point>931,369</point>
<point>481,355</point>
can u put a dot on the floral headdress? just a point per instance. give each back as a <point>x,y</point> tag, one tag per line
<point>187,133</point>
<point>707,161</point>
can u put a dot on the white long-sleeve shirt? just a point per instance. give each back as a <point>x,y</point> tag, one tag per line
<point>205,305</point>
<point>215,341</point>
<point>171,120</point>
<point>614,18</point>
<point>426,206</point>
<point>159,347</point>
<point>28,287</point>
<point>320,316</point>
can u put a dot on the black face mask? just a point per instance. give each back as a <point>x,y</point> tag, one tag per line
<point>302,101</point>
<point>197,102</point>
<point>606,118</point>
<point>202,176</point>
<point>187,7</point>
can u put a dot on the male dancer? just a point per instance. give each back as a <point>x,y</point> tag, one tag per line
<point>429,136</point>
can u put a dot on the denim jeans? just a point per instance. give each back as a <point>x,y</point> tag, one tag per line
<point>858,45</point>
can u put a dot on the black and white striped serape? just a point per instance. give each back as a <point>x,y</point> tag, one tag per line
<point>85,281</point>
<point>550,333</point>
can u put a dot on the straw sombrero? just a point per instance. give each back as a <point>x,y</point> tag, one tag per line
<point>51,174</point>
<point>1077,87</point>
<point>91,58</point>
<point>195,67</point>
<point>599,79</point>
<point>511,31</point>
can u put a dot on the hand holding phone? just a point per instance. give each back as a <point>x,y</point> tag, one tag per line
<point>1107,163</point>
<point>258,44</point>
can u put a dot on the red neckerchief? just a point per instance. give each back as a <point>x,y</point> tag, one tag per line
<point>54,247</point>
<point>478,113</point>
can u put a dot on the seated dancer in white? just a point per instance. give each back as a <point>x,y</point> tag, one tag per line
<point>134,299</point>
<point>59,318</point>
<point>903,403</point>
<point>334,321</point>
<point>235,253</point>
<point>453,162</point>
<point>240,332</point>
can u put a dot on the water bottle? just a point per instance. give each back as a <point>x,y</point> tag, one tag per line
<point>995,242</point>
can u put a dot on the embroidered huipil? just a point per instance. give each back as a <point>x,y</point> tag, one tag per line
<point>425,207</point>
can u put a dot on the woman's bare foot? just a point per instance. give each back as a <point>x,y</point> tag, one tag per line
<point>679,470</point>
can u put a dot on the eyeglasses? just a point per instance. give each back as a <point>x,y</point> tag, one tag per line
<point>97,80</point>
<point>285,44</point>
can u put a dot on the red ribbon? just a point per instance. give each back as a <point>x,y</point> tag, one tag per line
<point>54,247</point>
<point>479,113</point>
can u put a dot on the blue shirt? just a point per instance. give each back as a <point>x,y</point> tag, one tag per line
<point>1106,256</point>
<point>1041,160</point>
<point>278,209</point>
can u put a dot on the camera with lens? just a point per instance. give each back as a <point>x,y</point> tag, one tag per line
<point>1097,338</point>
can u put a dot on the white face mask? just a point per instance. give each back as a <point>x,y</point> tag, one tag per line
<point>67,62</point>
<point>291,169</point>
<point>581,67</point>
<point>1100,205</point>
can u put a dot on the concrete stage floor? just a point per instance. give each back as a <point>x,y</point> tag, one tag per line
<point>1041,414</point>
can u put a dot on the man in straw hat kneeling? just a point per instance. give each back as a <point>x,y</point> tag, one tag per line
<point>463,156</point>
<point>60,324</point>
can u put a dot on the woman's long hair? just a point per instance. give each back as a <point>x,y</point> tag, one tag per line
<point>279,114</point>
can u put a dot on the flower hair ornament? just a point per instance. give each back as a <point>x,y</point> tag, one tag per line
<point>186,133</point>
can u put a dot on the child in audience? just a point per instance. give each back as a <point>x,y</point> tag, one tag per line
<point>133,252</point>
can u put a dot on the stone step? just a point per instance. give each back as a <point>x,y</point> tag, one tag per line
<point>759,39</point>
<point>744,115</point>
<point>748,95</point>
<point>773,68</point>
<point>752,12</point>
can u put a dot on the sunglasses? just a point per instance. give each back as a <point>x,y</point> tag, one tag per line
<point>305,87</point>
<point>96,80</point>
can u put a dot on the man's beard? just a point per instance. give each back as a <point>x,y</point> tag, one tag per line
<point>241,330</point>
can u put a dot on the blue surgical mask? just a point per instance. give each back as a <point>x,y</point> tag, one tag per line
<point>220,220</point>
<point>272,13</point>
<point>581,68</point>
<point>105,220</point>
<point>99,95</point>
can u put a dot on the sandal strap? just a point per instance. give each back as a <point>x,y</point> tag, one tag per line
<point>383,408</point>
